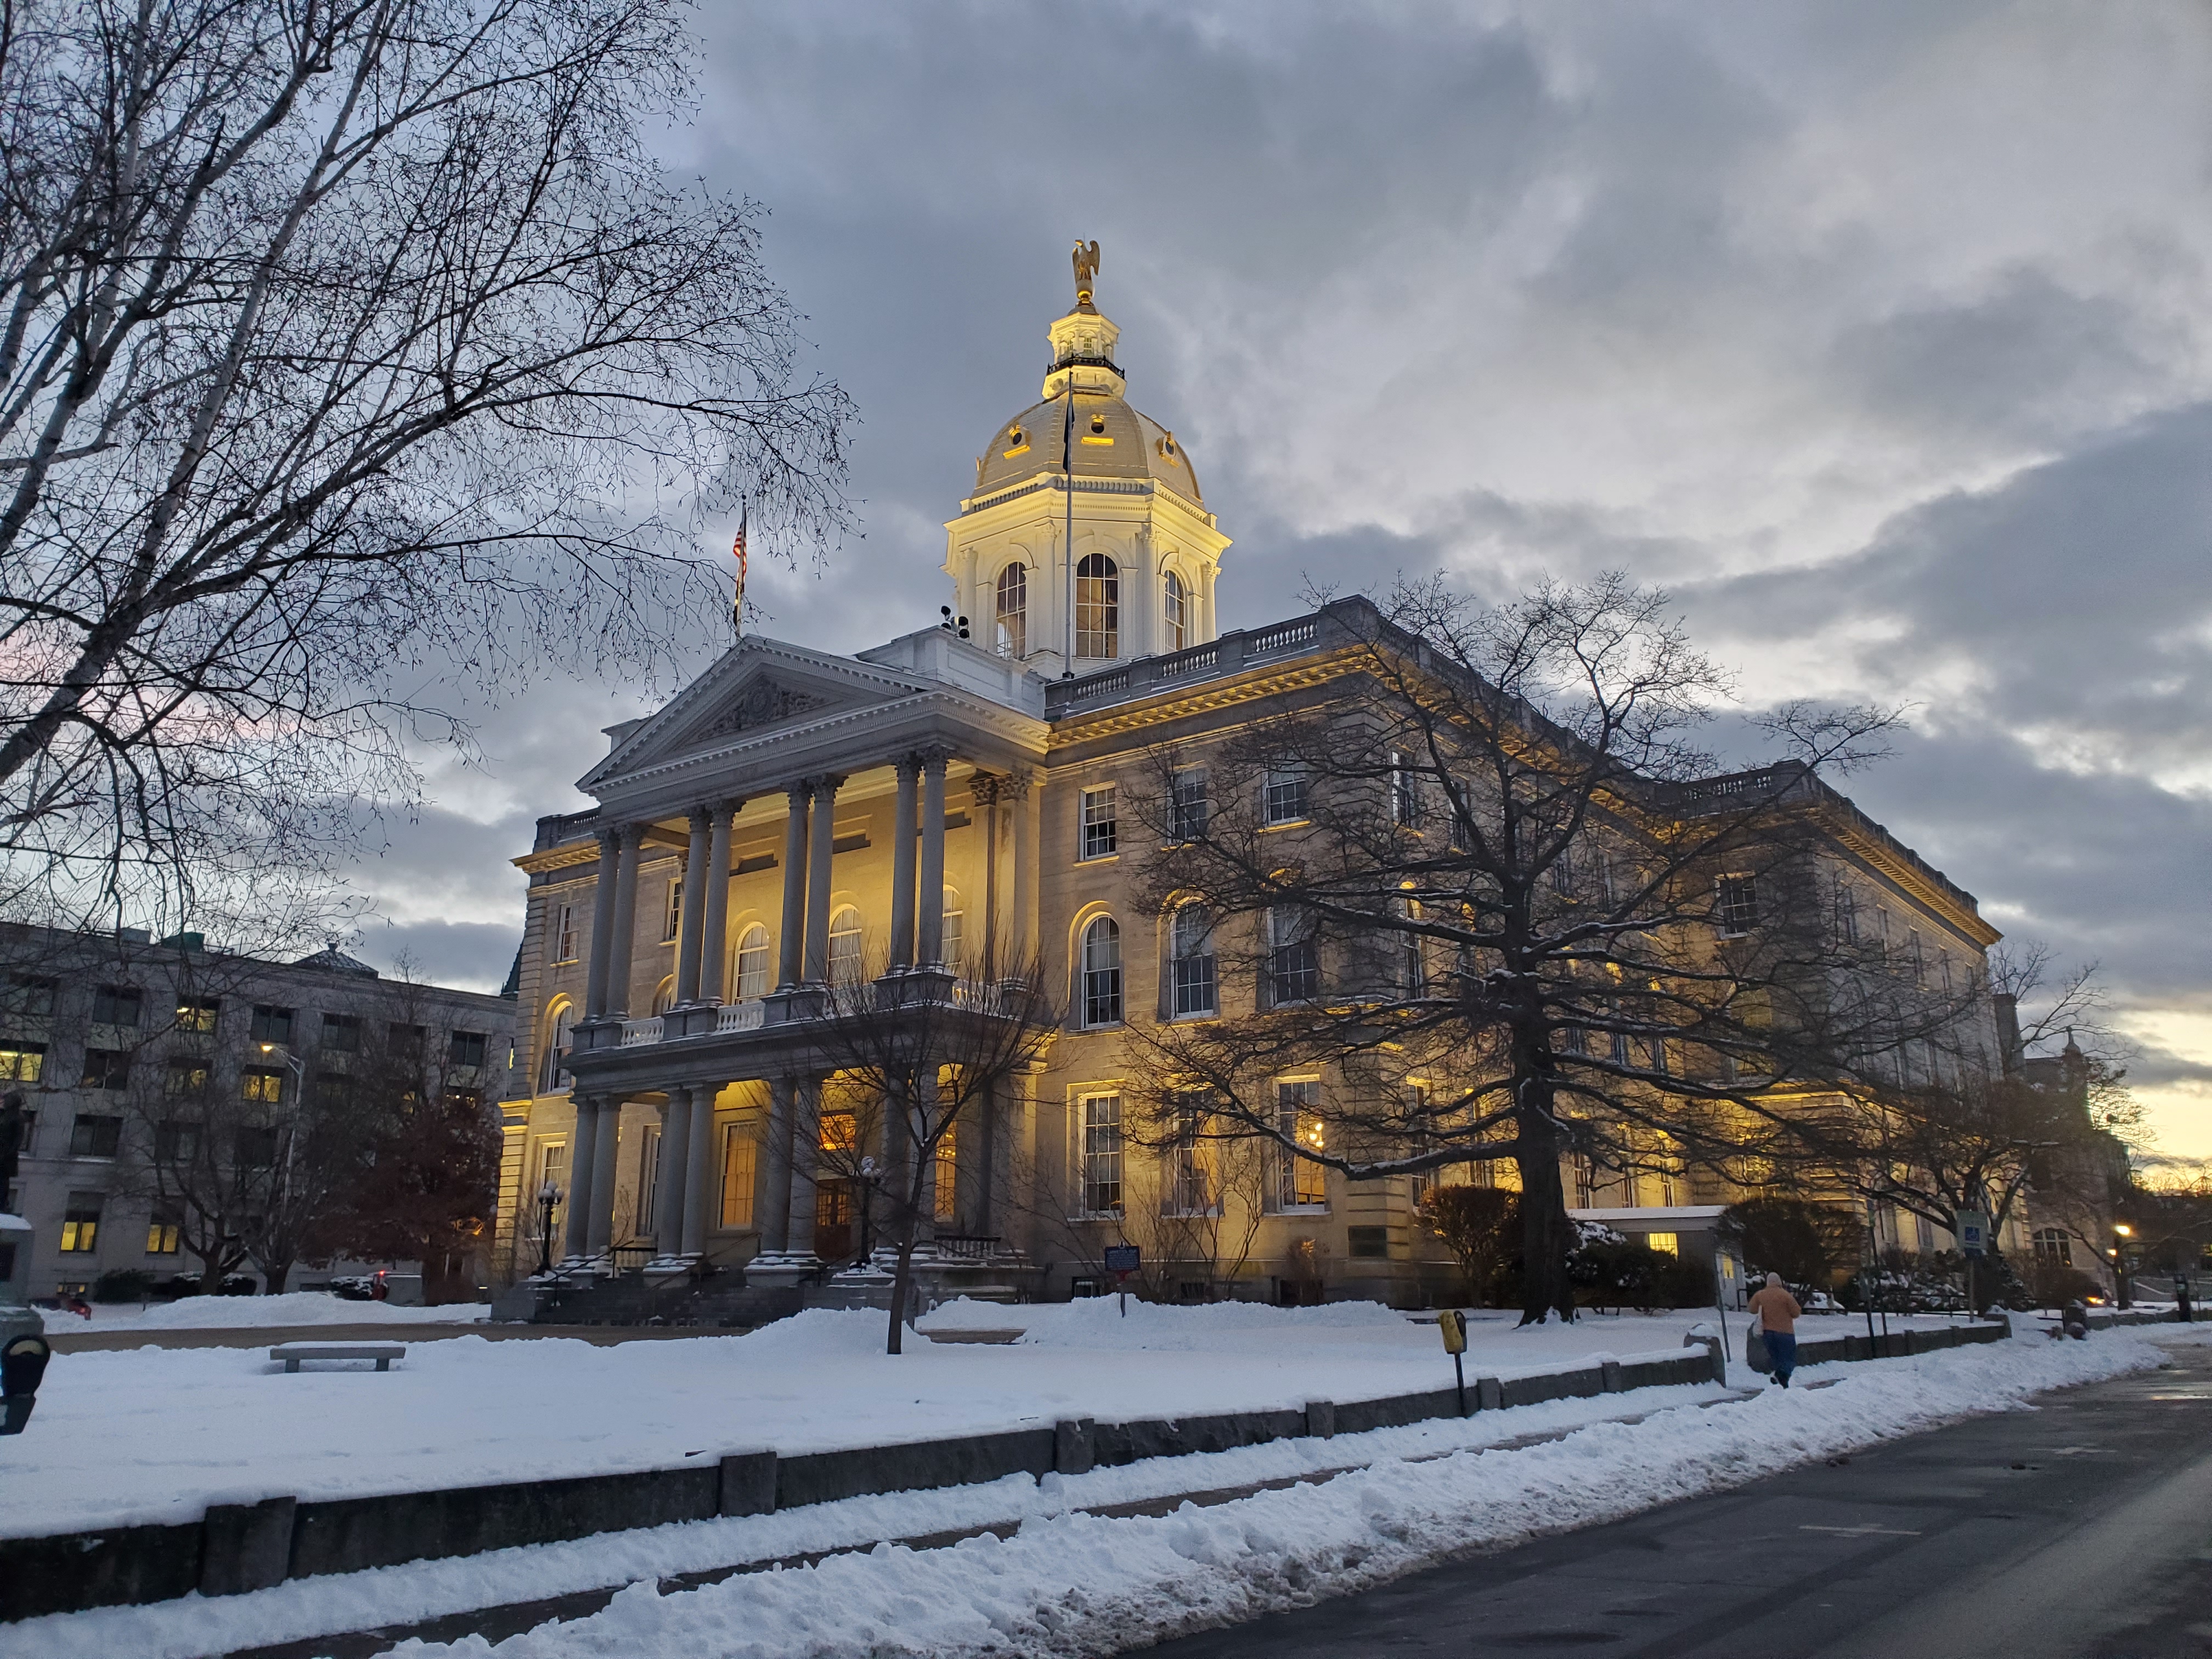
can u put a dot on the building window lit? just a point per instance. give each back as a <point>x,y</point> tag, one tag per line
<point>1014,603</point>
<point>844,943</point>
<point>1300,1184</point>
<point>738,1158</point>
<point>752,963</point>
<point>80,1224</point>
<point>1175,609</point>
<point>1665,1243</point>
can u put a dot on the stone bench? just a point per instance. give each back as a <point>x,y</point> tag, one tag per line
<point>293,1352</point>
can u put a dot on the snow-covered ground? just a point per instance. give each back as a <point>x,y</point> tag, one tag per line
<point>1055,1582</point>
<point>154,1435</point>
<point>231,1313</point>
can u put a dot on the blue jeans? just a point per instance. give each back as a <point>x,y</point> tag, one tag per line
<point>1781,1354</point>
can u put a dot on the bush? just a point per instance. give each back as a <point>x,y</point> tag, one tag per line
<point>123,1284</point>
<point>1481,1227</point>
<point>1615,1274</point>
<point>1809,1244</point>
<point>2054,1284</point>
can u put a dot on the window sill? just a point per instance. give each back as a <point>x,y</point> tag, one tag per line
<point>1287,823</point>
<point>1109,1025</point>
<point>1200,1017</point>
<point>1308,1209</point>
<point>1100,857</point>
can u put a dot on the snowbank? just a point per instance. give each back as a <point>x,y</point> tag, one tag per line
<point>1135,1580</point>
<point>231,1313</point>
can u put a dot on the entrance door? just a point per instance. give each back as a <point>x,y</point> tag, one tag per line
<point>833,1220</point>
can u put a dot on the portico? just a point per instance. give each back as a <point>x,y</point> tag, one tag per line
<point>781,765</point>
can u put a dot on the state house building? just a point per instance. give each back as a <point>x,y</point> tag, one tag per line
<point>794,816</point>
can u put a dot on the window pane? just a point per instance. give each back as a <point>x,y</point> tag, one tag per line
<point>22,1062</point>
<point>845,941</point>
<point>1193,810</point>
<point>116,1004</point>
<point>1101,972</point>
<point>1102,1154</point>
<point>1098,836</point>
<point>738,1166</point>
<point>1287,795</point>
<point>1013,611</point>
<point>1097,607</point>
<point>96,1137</point>
<point>752,963</point>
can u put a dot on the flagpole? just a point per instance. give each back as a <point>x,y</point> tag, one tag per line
<point>737,603</point>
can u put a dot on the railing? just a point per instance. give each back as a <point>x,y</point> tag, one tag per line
<point>1283,636</point>
<point>969,1247</point>
<point>740,1016</point>
<point>637,1031</point>
<point>1101,685</point>
<point>1196,660</point>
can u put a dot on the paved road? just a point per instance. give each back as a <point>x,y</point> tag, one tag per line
<point>2079,1531</point>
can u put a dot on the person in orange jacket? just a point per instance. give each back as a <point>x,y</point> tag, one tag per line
<point>1777,1311</point>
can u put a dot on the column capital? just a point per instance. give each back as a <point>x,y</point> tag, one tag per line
<point>631,835</point>
<point>934,757</point>
<point>909,765</point>
<point>1017,784</point>
<point>701,820</point>
<point>829,783</point>
<point>988,789</point>
<point>609,837</point>
<point>728,806</point>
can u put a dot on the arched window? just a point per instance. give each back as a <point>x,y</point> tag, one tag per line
<point>1175,611</point>
<point>553,1070</point>
<point>954,920</point>
<point>1097,607</point>
<point>751,977</point>
<point>1101,972</point>
<point>665,998</point>
<point>1193,971</point>
<point>2053,1247</point>
<point>845,946</point>
<point>1013,610</point>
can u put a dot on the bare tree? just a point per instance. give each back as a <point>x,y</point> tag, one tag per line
<point>339,342</point>
<point>919,1058</point>
<point>1490,885</point>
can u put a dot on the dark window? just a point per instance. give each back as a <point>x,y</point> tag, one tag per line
<point>1285,800</point>
<point>1193,810</point>
<point>30,996</point>
<point>467,1050</point>
<point>96,1137</point>
<point>197,1015</point>
<point>1373,1243</point>
<point>176,1141</point>
<point>1099,826</point>
<point>1101,972</point>
<point>1194,977</point>
<point>1736,911</point>
<point>106,1069</point>
<point>1405,791</point>
<point>342,1033</point>
<point>257,1148</point>
<point>187,1077</point>
<point>272,1025</point>
<point>80,1224</point>
<point>407,1040</point>
<point>117,1005</point>
<point>1294,959</point>
<point>333,1088</point>
<point>464,1100</point>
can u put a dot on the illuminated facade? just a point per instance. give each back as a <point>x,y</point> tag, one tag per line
<point>930,804</point>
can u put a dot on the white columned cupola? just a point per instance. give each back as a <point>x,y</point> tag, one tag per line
<point>1123,564</point>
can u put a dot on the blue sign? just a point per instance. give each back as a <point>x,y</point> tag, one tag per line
<point>1123,1258</point>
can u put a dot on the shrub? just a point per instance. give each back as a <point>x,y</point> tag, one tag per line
<point>1481,1227</point>
<point>123,1284</point>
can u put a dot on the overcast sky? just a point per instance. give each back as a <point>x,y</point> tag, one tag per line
<point>1879,335</point>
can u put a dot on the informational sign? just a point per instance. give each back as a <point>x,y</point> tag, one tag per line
<point>1972,1228</point>
<point>1124,1258</point>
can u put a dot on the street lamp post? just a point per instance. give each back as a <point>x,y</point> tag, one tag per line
<point>2121,1233</point>
<point>299,1068</point>
<point>549,1199</point>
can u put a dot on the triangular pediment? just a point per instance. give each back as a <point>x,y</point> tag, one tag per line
<point>758,686</point>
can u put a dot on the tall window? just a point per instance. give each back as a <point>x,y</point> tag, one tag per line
<point>1294,957</point>
<point>751,976</point>
<point>467,1048</point>
<point>1098,837</point>
<point>553,1171</point>
<point>648,1179</point>
<point>1286,801</point>
<point>1412,959</point>
<point>1102,1154</point>
<point>1415,1103</point>
<point>945,1176</point>
<point>1101,972</point>
<point>738,1158</point>
<point>1097,607</point>
<point>1300,1184</point>
<point>1736,910</point>
<point>1847,913</point>
<point>1175,611</point>
<point>1189,1188</point>
<point>1191,809</point>
<point>845,940</point>
<point>564,933</point>
<point>672,923</point>
<point>553,1072</point>
<point>1013,602</point>
<point>80,1224</point>
<point>948,935</point>
<point>1405,791</point>
<point>1191,943</point>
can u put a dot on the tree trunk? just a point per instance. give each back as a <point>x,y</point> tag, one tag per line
<point>1547,1235</point>
<point>211,1274</point>
<point>275,1275</point>
<point>901,1284</point>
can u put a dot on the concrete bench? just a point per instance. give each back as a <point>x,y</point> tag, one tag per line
<point>293,1352</point>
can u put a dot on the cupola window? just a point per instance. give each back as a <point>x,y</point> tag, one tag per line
<point>1016,440</point>
<point>1097,607</point>
<point>1013,605</point>
<point>1175,608</point>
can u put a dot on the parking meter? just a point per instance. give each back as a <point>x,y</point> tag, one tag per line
<point>22,1367</point>
<point>1451,1324</point>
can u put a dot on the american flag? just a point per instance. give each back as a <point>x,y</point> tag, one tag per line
<point>738,607</point>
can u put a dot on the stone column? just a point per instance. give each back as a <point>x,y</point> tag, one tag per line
<point>820,832</point>
<point>991,1112</point>
<point>624,921</point>
<point>903,856</point>
<point>774,1215</point>
<point>805,1158</point>
<point>691,921</point>
<point>603,923</point>
<point>1022,791</point>
<point>600,1233</point>
<point>702,1175</point>
<point>668,1186</point>
<point>929,943</point>
<point>988,793</point>
<point>790,942</point>
<point>715,943</point>
<point>583,1147</point>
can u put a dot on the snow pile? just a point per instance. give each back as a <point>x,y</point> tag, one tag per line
<point>1076,1585</point>
<point>231,1313</point>
<point>1101,1322</point>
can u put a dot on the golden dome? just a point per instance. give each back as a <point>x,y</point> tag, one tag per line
<point>1109,439</point>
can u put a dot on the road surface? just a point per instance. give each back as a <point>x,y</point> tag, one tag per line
<point>2082,1530</point>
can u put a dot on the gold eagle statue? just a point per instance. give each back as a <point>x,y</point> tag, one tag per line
<point>1086,271</point>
